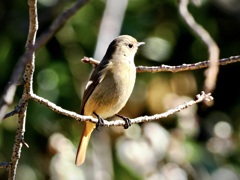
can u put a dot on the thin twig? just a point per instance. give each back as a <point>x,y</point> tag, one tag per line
<point>4,165</point>
<point>213,50</point>
<point>12,113</point>
<point>167,68</point>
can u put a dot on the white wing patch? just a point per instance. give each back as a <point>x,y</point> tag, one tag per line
<point>88,84</point>
<point>102,77</point>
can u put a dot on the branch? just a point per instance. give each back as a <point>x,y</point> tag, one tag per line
<point>4,165</point>
<point>23,103</point>
<point>212,71</point>
<point>10,89</point>
<point>200,97</point>
<point>60,110</point>
<point>12,113</point>
<point>167,68</point>
<point>28,61</point>
<point>58,23</point>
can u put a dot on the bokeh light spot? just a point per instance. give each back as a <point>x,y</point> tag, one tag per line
<point>223,130</point>
<point>156,49</point>
<point>47,79</point>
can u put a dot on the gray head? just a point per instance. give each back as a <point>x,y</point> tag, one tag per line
<point>123,46</point>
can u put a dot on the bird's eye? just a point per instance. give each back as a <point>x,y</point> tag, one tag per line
<point>130,45</point>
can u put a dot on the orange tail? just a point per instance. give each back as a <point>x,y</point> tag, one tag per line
<point>82,146</point>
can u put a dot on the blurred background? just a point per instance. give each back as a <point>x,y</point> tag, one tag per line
<point>197,143</point>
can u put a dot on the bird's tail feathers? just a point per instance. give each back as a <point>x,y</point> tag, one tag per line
<point>82,146</point>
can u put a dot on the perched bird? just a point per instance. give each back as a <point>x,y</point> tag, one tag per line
<point>109,87</point>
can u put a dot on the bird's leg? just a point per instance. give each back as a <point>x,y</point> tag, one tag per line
<point>100,121</point>
<point>127,121</point>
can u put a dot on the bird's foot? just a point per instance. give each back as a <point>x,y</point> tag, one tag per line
<point>100,121</point>
<point>127,121</point>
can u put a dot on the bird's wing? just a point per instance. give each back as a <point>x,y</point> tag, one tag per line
<point>95,78</point>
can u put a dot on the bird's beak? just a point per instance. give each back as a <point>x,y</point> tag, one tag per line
<point>140,43</point>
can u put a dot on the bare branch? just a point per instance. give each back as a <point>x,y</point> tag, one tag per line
<point>23,103</point>
<point>58,23</point>
<point>212,71</point>
<point>33,24</point>
<point>167,68</point>
<point>60,110</point>
<point>201,97</point>
<point>4,165</point>
<point>10,89</point>
<point>90,61</point>
<point>12,113</point>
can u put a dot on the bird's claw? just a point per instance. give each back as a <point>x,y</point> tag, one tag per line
<point>127,121</point>
<point>100,121</point>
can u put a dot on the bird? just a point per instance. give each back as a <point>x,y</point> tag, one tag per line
<point>109,87</point>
